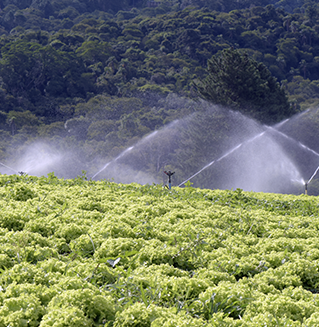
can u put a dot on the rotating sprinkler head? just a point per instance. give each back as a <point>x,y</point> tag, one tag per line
<point>169,174</point>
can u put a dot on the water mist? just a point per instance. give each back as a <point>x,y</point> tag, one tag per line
<point>213,148</point>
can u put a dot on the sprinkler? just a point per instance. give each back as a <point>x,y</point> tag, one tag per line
<point>306,191</point>
<point>169,174</point>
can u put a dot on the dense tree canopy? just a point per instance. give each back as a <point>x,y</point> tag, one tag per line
<point>239,82</point>
<point>98,75</point>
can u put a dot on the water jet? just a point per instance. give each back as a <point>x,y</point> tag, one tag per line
<point>258,159</point>
<point>310,179</point>
<point>114,160</point>
<point>240,152</point>
<point>126,151</point>
<point>2,164</point>
<point>290,166</point>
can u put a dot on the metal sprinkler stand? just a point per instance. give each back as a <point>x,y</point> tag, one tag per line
<point>306,185</point>
<point>169,174</point>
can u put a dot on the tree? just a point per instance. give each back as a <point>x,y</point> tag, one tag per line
<point>21,67</point>
<point>31,71</point>
<point>94,51</point>
<point>239,82</point>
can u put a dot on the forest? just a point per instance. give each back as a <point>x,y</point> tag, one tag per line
<point>91,78</point>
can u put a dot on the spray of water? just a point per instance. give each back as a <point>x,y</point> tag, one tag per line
<point>114,160</point>
<point>293,140</point>
<point>295,117</point>
<point>38,158</point>
<point>301,145</point>
<point>282,165</point>
<point>35,159</point>
<point>282,123</point>
<point>313,175</point>
<point>253,158</point>
<point>261,165</point>
<point>296,179</point>
<point>125,152</point>
<point>222,157</point>
<point>188,179</point>
<point>11,169</point>
<point>259,171</point>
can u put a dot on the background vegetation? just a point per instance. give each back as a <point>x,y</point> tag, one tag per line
<point>91,75</point>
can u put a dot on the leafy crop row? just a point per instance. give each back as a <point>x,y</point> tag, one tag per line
<point>85,253</point>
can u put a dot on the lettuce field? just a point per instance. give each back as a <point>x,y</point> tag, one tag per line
<point>95,253</point>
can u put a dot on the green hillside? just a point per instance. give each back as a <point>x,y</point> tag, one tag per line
<point>84,81</point>
<point>77,252</point>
